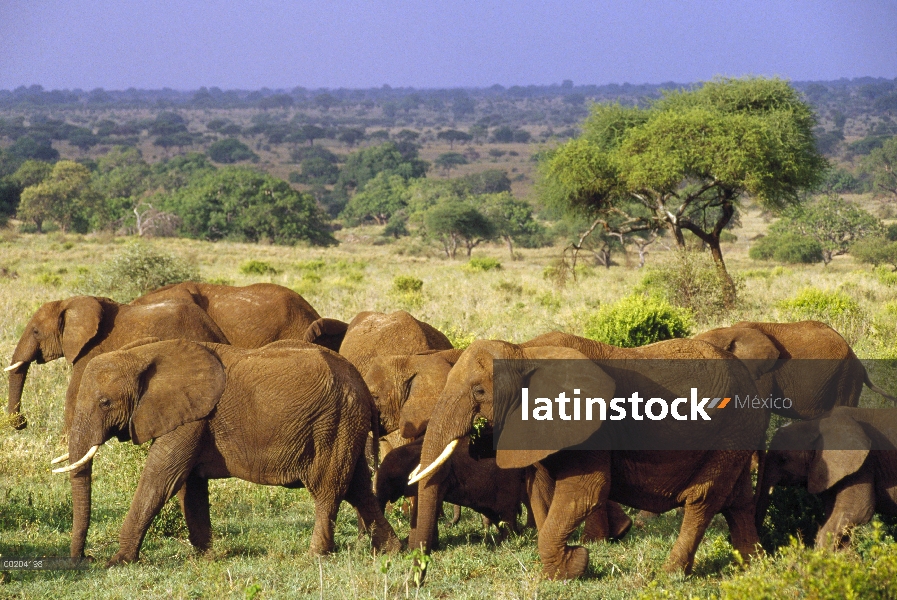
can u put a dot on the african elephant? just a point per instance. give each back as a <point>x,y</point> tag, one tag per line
<point>405,388</point>
<point>826,373</point>
<point>255,315</point>
<point>705,481</point>
<point>372,334</point>
<point>290,413</point>
<point>849,457</point>
<point>83,327</point>
<point>478,484</point>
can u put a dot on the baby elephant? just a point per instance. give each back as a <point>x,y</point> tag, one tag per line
<point>478,484</point>
<point>848,457</point>
<point>290,413</point>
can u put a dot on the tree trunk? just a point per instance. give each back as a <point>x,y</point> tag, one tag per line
<point>510,246</point>
<point>728,282</point>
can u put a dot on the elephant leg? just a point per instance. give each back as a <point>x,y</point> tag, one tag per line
<point>852,502</point>
<point>614,524</point>
<point>694,523</point>
<point>580,489</point>
<point>739,516</point>
<point>540,490</point>
<point>362,498</point>
<point>168,464</point>
<point>194,499</point>
<point>715,487</point>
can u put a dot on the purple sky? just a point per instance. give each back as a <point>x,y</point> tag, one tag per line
<point>248,44</point>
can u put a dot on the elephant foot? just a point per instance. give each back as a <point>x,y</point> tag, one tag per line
<point>121,558</point>
<point>18,421</point>
<point>573,564</point>
<point>677,564</point>
<point>384,539</point>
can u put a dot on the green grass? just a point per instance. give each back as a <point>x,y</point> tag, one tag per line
<point>262,533</point>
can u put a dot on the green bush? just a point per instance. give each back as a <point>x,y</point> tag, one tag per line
<point>135,270</point>
<point>692,282</point>
<point>788,248</point>
<point>821,305</point>
<point>793,512</point>
<point>483,264</point>
<point>638,320</point>
<point>405,284</point>
<point>257,267</point>
<point>870,572</point>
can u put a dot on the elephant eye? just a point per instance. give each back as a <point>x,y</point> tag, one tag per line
<point>105,402</point>
<point>479,391</point>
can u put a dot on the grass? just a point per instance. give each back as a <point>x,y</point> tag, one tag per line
<point>262,533</point>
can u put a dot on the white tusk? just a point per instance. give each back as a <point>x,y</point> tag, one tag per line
<point>414,472</point>
<point>436,463</point>
<point>59,459</point>
<point>84,459</point>
<point>14,366</point>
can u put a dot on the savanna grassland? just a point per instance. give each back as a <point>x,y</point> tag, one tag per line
<point>262,533</point>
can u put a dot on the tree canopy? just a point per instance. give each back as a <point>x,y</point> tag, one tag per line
<point>242,204</point>
<point>690,158</point>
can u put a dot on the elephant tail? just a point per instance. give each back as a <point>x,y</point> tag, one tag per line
<point>875,388</point>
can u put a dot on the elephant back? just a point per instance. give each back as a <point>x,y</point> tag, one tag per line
<point>372,334</point>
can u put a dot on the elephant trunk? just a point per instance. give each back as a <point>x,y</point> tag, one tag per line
<point>81,481</point>
<point>26,352</point>
<point>452,419</point>
<point>81,478</point>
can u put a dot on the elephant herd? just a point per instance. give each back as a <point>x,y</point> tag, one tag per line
<point>252,382</point>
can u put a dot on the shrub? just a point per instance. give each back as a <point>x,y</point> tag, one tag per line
<point>638,320</point>
<point>458,337</point>
<point>799,572</point>
<point>692,282</point>
<point>813,303</point>
<point>787,248</point>
<point>257,267</point>
<point>405,284</point>
<point>793,512</point>
<point>137,269</point>
<point>482,264</point>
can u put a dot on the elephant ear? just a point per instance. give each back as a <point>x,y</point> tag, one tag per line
<point>326,332</point>
<point>80,319</point>
<point>423,378</point>
<point>548,379</point>
<point>841,450</point>
<point>180,382</point>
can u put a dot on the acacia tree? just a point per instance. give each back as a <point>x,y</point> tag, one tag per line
<point>455,223</point>
<point>690,159</point>
<point>833,222</point>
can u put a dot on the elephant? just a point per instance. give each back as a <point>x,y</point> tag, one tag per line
<point>291,413</point>
<point>848,457</point>
<point>826,373</point>
<point>83,327</point>
<point>256,314</point>
<point>704,481</point>
<point>478,484</point>
<point>372,334</point>
<point>405,389</point>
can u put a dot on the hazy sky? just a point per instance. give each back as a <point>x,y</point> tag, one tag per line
<point>248,44</point>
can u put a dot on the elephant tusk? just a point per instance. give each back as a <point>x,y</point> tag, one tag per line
<point>84,459</point>
<point>15,366</point>
<point>414,472</point>
<point>436,463</point>
<point>59,459</point>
